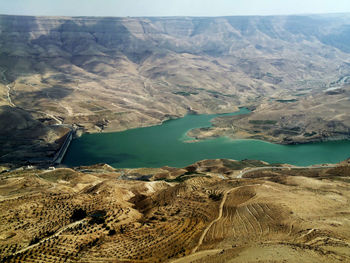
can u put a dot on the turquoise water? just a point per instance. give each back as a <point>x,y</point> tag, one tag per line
<point>164,144</point>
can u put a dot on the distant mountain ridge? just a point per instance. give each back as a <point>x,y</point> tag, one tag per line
<point>110,74</point>
<point>330,30</point>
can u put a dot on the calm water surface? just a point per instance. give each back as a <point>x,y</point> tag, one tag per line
<point>165,144</point>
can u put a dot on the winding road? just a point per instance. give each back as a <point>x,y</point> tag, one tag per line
<point>4,79</point>
<point>60,154</point>
<point>212,222</point>
<point>243,172</point>
<point>201,254</point>
<point>50,237</point>
<point>8,88</point>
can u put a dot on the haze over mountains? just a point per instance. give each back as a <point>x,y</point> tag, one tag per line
<point>96,74</point>
<point>117,73</point>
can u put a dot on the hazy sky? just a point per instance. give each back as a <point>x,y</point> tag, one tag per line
<point>171,7</point>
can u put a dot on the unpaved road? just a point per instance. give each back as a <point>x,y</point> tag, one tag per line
<point>201,254</point>
<point>196,256</point>
<point>212,222</point>
<point>243,172</point>
<point>54,235</point>
<point>8,88</point>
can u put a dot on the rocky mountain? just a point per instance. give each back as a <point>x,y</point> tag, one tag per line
<point>297,119</point>
<point>109,74</point>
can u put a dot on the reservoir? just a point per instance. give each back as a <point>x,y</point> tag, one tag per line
<point>166,144</point>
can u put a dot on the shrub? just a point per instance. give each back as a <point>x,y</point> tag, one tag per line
<point>262,122</point>
<point>111,232</point>
<point>34,241</point>
<point>215,197</point>
<point>98,217</point>
<point>78,214</point>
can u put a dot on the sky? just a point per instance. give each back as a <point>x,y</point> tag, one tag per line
<point>171,7</point>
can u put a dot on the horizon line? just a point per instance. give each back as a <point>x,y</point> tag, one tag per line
<point>181,16</point>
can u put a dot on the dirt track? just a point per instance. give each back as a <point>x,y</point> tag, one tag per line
<point>50,237</point>
<point>201,254</point>
<point>217,219</point>
<point>288,168</point>
<point>8,88</point>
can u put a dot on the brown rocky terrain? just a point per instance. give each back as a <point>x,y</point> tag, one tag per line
<point>23,138</point>
<point>200,213</point>
<point>318,117</point>
<point>111,74</point>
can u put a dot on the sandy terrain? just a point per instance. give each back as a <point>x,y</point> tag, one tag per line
<point>93,214</point>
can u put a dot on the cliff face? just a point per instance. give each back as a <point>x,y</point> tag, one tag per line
<point>118,73</point>
<point>249,55</point>
<point>211,36</point>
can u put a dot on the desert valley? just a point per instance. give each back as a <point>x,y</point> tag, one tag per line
<point>175,139</point>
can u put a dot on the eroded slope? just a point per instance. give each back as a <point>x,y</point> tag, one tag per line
<point>318,117</point>
<point>93,214</point>
<point>111,74</point>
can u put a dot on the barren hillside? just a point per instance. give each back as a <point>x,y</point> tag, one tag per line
<point>200,213</point>
<point>111,74</point>
<point>314,117</point>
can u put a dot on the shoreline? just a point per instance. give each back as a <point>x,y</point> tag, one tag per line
<point>194,139</point>
<point>261,137</point>
<point>162,121</point>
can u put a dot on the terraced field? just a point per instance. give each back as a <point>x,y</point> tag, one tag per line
<point>244,219</point>
<point>191,214</point>
<point>96,224</point>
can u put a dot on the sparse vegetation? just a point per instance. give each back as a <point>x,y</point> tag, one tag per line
<point>34,241</point>
<point>112,232</point>
<point>212,76</point>
<point>78,214</point>
<point>158,225</point>
<point>287,101</point>
<point>310,134</point>
<point>97,217</point>
<point>215,196</point>
<point>112,74</point>
<point>185,93</point>
<point>263,122</point>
